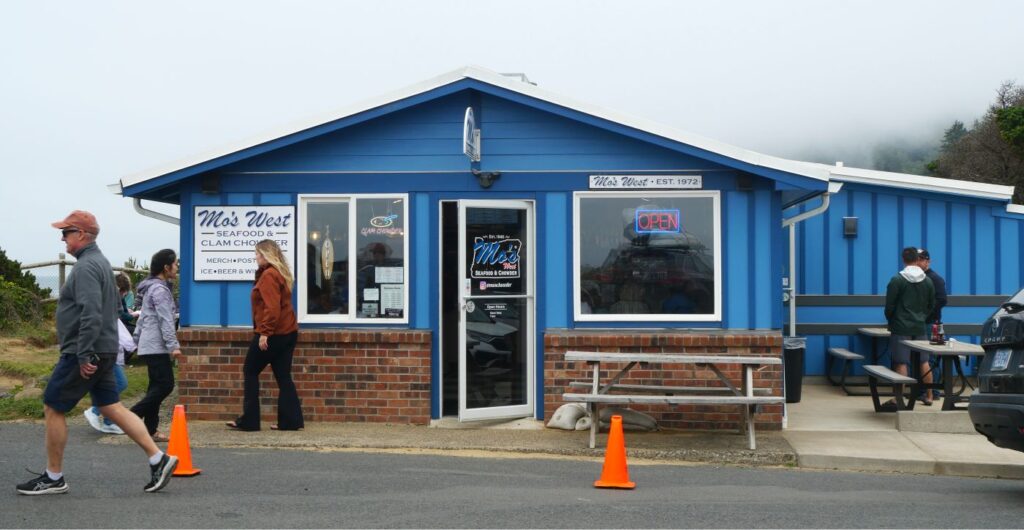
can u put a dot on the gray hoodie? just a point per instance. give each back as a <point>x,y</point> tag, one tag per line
<point>155,330</point>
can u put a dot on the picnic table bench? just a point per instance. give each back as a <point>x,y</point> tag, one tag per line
<point>729,394</point>
<point>898,381</point>
<point>848,358</point>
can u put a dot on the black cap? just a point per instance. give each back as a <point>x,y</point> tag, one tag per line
<point>923,254</point>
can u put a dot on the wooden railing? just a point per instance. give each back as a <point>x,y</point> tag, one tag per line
<point>62,263</point>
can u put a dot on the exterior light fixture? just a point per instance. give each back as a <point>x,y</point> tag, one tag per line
<point>849,227</point>
<point>486,178</point>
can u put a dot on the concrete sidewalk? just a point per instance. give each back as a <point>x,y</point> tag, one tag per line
<point>830,430</point>
<point>827,430</point>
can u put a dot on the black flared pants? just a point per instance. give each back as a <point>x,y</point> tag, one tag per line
<point>279,357</point>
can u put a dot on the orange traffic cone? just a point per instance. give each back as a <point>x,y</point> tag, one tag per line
<point>179,446</point>
<point>615,474</point>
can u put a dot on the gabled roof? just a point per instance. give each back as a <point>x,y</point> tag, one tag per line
<point>744,159</point>
<point>872,177</point>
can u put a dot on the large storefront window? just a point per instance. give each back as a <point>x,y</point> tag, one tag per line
<point>648,257</point>
<point>354,250</point>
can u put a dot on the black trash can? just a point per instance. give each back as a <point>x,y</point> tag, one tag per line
<point>793,366</point>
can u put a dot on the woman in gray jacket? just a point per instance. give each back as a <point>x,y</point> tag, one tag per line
<point>157,340</point>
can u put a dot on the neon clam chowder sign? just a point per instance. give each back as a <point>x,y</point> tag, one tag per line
<point>226,236</point>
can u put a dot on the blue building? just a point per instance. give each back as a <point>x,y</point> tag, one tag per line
<point>451,240</point>
<point>971,229</point>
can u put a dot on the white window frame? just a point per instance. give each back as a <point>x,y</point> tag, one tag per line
<point>352,316</point>
<point>606,317</point>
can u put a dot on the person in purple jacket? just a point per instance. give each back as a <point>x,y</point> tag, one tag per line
<point>158,342</point>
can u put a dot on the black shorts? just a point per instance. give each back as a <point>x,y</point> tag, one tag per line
<point>67,387</point>
<point>901,353</point>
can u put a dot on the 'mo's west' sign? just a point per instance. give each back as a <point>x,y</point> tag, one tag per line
<point>225,239</point>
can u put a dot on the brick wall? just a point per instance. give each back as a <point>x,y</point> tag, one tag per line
<point>558,373</point>
<point>341,375</point>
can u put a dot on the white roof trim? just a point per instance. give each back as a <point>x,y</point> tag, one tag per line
<point>918,182</point>
<point>496,79</point>
<point>1015,208</point>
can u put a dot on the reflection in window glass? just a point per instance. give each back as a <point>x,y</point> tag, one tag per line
<point>647,255</point>
<point>327,258</point>
<point>380,259</point>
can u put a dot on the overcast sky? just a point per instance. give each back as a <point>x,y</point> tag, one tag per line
<point>94,91</point>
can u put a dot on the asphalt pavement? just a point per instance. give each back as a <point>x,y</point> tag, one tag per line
<point>826,430</point>
<point>332,487</point>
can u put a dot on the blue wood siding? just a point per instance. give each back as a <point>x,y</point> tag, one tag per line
<point>428,137</point>
<point>974,244</point>
<point>418,151</point>
<point>736,253</point>
<point>554,276</point>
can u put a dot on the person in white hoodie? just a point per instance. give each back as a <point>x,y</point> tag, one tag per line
<point>125,345</point>
<point>909,299</point>
<point>157,340</point>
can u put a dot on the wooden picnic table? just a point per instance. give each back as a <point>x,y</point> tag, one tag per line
<point>742,394</point>
<point>949,353</point>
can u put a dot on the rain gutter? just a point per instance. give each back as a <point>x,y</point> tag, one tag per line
<point>790,291</point>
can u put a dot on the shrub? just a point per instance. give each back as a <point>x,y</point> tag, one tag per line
<point>18,306</point>
<point>10,270</point>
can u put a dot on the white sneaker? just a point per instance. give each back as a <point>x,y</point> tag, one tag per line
<point>110,428</point>
<point>93,419</point>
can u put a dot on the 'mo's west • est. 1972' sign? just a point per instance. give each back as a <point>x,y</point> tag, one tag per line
<point>226,236</point>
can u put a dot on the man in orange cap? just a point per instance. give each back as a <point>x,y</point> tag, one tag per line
<point>87,332</point>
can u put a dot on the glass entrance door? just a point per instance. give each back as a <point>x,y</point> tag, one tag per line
<point>496,324</point>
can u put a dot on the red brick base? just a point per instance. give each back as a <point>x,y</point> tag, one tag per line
<point>558,373</point>
<point>384,376</point>
<point>360,376</point>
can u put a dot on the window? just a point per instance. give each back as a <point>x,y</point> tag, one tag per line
<point>353,249</point>
<point>646,257</point>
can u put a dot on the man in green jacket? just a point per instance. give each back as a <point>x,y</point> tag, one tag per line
<point>909,299</point>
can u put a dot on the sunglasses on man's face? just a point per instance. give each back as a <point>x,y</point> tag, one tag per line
<point>67,231</point>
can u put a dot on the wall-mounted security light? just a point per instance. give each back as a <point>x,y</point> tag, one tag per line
<point>849,227</point>
<point>210,185</point>
<point>486,178</point>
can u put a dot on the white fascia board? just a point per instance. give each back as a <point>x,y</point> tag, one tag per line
<point>648,126</point>
<point>918,182</point>
<point>1015,208</point>
<point>295,127</point>
<point>493,78</point>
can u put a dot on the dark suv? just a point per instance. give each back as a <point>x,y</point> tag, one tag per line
<point>997,408</point>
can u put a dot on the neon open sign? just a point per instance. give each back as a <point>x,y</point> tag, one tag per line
<point>657,222</point>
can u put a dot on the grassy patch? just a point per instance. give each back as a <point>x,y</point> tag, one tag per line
<point>138,380</point>
<point>32,408</point>
<point>28,354</point>
<point>17,409</point>
<point>27,369</point>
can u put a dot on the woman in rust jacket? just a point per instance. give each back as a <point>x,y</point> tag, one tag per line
<point>276,330</point>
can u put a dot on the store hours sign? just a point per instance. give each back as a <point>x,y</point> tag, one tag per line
<point>226,236</point>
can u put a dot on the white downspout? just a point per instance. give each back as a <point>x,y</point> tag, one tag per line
<point>137,202</point>
<point>116,189</point>
<point>833,187</point>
